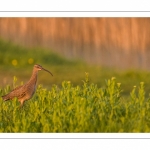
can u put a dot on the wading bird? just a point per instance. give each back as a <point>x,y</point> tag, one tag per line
<point>26,91</point>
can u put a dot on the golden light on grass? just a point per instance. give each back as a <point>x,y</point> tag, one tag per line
<point>14,62</point>
<point>30,61</point>
<point>83,109</point>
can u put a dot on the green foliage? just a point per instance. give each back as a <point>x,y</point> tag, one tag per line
<point>19,56</point>
<point>71,105</point>
<point>17,60</point>
<point>85,108</point>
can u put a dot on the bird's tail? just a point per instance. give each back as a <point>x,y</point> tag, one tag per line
<point>5,98</point>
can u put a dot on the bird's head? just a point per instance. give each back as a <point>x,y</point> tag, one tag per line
<point>39,67</point>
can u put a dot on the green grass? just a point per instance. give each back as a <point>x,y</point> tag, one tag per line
<point>18,61</point>
<point>70,101</point>
<point>78,109</point>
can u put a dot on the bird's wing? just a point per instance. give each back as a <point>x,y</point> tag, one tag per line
<point>17,92</point>
<point>19,87</point>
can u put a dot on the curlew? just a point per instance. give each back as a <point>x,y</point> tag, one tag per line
<point>26,91</point>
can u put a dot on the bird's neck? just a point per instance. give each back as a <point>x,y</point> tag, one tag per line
<point>33,78</point>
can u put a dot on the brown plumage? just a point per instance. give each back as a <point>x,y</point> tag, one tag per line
<point>26,91</point>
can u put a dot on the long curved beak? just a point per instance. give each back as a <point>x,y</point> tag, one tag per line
<point>47,71</point>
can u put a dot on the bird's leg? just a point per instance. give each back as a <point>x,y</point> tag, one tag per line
<point>21,103</point>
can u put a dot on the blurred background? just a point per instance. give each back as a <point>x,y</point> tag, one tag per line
<point>69,47</point>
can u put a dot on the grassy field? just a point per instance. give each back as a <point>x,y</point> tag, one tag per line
<point>79,98</point>
<point>19,61</point>
<point>78,109</point>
